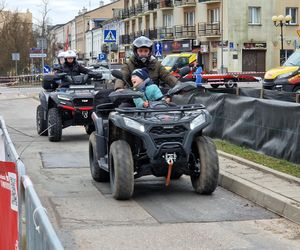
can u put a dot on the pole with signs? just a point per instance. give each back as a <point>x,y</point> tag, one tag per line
<point>110,36</point>
<point>16,58</point>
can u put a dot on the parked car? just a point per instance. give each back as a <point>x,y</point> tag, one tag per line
<point>286,77</point>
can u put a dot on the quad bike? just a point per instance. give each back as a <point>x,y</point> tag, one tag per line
<point>70,104</point>
<point>164,140</point>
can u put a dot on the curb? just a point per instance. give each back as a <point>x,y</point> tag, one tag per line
<point>260,167</point>
<point>279,204</point>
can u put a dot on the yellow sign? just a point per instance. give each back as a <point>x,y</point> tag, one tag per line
<point>298,31</point>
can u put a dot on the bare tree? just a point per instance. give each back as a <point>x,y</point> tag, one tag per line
<point>15,36</point>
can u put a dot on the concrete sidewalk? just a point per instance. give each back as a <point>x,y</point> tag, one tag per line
<point>268,188</point>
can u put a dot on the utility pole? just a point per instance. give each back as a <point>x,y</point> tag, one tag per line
<point>222,37</point>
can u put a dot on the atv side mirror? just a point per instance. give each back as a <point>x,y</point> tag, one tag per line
<point>182,86</point>
<point>117,74</point>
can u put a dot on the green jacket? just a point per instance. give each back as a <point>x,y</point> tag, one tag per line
<point>157,73</point>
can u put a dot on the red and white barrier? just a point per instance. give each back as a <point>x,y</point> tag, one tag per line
<point>8,206</point>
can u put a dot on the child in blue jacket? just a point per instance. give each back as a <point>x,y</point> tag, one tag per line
<point>141,82</point>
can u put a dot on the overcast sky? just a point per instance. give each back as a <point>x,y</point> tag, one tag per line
<point>61,11</point>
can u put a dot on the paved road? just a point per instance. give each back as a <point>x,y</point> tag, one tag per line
<point>87,217</point>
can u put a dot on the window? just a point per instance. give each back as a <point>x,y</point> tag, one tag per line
<point>214,16</point>
<point>254,15</point>
<point>189,18</point>
<point>293,13</point>
<point>168,20</point>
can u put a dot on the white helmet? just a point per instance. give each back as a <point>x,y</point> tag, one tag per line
<point>70,53</point>
<point>61,54</point>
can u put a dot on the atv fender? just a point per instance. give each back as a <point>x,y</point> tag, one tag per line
<point>100,137</point>
<point>44,98</point>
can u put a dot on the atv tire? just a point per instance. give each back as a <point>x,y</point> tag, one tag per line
<point>54,125</point>
<point>89,129</point>
<point>98,174</point>
<point>230,84</point>
<point>41,124</point>
<point>205,152</point>
<point>121,170</point>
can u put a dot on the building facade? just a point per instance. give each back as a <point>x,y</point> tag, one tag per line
<point>230,35</point>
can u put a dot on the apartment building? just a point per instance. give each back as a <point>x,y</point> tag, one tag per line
<point>236,35</point>
<point>82,22</point>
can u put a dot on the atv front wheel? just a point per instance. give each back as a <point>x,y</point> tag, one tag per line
<point>41,124</point>
<point>121,170</point>
<point>54,125</point>
<point>98,174</point>
<point>206,155</point>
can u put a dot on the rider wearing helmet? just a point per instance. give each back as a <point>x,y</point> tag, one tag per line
<point>71,66</point>
<point>61,59</point>
<point>142,58</point>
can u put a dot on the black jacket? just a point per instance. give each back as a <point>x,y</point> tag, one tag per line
<point>74,69</point>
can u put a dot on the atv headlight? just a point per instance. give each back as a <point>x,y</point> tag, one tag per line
<point>199,120</point>
<point>63,97</point>
<point>285,75</point>
<point>133,124</point>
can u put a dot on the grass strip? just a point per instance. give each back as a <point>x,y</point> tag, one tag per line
<point>251,155</point>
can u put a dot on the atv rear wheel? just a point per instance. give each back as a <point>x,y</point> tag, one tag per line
<point>206,155</point>
<point>41,124</point>
<point>98,174</point>
<point>54,125</point>
<point>121,170</point>
<point>89,128</point>
<point>230,84</point>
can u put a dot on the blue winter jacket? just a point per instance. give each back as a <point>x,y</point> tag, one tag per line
<point>151,93</point>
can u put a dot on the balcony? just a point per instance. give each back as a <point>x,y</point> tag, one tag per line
<point>188,32</point>
<point>185,3</point>
<point>209,1</point>
<point>151,34</point>
<point>132,37</point>
<point>132,11</point>
<point>166,33</point>
<point>124,39</point>
<point>150,6</point>
<point>139,9</point>
<point>209,29</point>
<point>122,14</point>
<point>166,4</point>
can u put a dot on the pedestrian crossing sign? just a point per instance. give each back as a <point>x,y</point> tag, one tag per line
<point>110,36</point>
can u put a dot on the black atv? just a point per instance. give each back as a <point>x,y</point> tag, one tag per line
<point>65,101</point>
<point>162,140</point>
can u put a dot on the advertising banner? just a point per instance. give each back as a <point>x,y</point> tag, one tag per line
<point>8,205</point>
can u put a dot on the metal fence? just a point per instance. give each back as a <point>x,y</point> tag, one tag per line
<point>21,80</point>
<point>39,232</point>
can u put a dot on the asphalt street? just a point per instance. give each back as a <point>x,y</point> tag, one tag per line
<point>86,216</point>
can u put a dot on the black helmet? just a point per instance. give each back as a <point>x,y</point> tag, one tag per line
<point>142,42</point>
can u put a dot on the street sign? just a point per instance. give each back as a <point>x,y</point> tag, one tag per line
<point>158,49</point>
<point>41,43</point>
<point>298,32</point>
<point>38,55</point>
<point>102,57</point>
<point>110,36</point>
<point>47,69</point>
<point>15,56</point>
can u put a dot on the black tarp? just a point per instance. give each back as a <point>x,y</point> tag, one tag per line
<point>268,126</point>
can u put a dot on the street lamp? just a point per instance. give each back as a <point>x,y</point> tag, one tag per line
<point>280,21</point>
